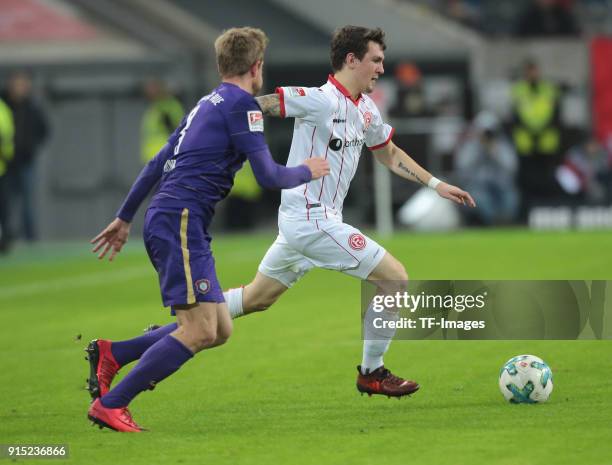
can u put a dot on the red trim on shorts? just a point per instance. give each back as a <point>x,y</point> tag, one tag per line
<point>281,96</point>
<point>380,146</point>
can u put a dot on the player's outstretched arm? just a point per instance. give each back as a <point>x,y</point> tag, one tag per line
<point>270,104</point>
<point>113,237</point>
<point>271,175</point>
<point>146,180</point>
<point>403,165</point>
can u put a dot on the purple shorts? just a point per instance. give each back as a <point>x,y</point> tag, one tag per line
<point>179,249</point>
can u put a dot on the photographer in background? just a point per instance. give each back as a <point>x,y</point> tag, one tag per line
<point>487,164</point>
<point>586,173</point>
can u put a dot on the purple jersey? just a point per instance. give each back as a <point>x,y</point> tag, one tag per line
<point>208,148</point>
<point>197,167</point>
<point>198,163</point>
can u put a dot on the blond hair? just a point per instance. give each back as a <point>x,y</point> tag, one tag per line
<point>238,49</point>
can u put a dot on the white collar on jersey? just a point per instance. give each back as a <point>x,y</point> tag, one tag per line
<point>343,90</point>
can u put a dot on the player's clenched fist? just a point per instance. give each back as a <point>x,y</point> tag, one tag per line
<point>317,166</point>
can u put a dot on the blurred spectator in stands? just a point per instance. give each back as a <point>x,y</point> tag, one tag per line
<point>410,99</point>
<point>161,118</point>
<point>487,165</point>
<point>536,134</point>
<point>547,18</point>
<point>31,131</point>
<point>6,154</point>
<point>586,172</point>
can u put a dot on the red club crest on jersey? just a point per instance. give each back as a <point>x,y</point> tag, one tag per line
<point>357,241</point>
<point>300,91</point>
<point>367,119</point>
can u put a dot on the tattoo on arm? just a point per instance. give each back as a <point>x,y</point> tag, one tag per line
<point>270,104</point>
<point>404,168</point>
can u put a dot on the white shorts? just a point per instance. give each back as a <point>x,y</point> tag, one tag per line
<point>329,244</point>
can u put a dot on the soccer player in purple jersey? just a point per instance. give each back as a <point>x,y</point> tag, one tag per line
<point>197,168</point>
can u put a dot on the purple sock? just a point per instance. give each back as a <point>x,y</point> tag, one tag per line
<point>132,349</point>
<point>159,361</point>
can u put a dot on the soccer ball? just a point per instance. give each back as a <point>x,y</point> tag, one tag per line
<point>525,379</point>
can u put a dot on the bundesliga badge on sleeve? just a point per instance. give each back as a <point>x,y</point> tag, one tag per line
<point>256,122</point>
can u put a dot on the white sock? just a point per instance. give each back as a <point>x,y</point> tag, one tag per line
<point>233,297</point>
<point>376,341</point>
<point>373,352</point>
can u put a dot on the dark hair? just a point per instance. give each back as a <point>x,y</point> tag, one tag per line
<point>353,39</point>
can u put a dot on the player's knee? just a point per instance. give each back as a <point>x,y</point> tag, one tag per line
<point>221,339</point>
<point>399,273</point>
<point>396,278</point>
<point>203,337</point>
<point>224,333</point>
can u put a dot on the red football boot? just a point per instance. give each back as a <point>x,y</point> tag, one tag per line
<point>382,381</point>
<point>102,367</point>
<point>118,419</point>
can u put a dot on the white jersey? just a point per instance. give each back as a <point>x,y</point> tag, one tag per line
<point>329,123</point>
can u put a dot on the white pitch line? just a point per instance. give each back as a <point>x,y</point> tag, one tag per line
<point>71,282</point>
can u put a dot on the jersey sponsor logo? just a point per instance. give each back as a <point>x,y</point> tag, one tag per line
<point>169,165</point>
<point>337,144</point>
<point>295,92</point>
<point>256,121</point>
<point>338,120</point>
<point>357,241</point>
<point>367,120</point>
<point>354,143</point>
<point>202,286</point>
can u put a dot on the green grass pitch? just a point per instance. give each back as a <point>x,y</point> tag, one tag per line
<point>282,389</point>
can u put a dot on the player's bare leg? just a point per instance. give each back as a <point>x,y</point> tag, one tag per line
<point>259,295</point>
<point>389,276</point>
<point>225,326</point>
<point>198,326</point>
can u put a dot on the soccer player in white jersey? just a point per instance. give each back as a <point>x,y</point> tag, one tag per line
<point>335,121</point>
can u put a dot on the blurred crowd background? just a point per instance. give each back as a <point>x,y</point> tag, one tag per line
<point>510,99</point>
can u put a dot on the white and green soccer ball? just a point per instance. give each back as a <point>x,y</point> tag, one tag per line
<point>525,379</point>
